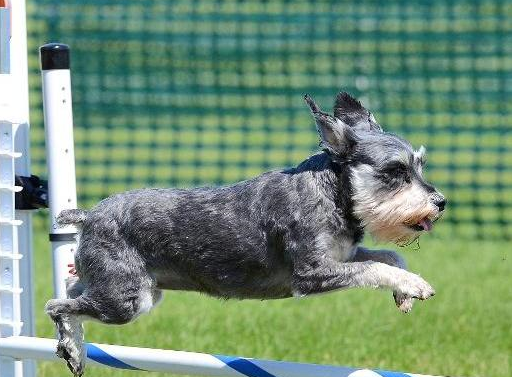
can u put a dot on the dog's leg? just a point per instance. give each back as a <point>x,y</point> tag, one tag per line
<point>74,287</point>
<point>388,257</point>
<point>116,303</point>
<point>330,275</point>
<point>391,258</point>
<point>66,313</point>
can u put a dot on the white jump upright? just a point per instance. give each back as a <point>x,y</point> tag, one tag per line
<point>60,156</point>
<point>16,285</point>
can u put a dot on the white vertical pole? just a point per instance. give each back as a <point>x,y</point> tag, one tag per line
<point>5,34</point>
<point>19,72</point>
<point>16,304</point>
<point>60,156</point>
<point>10,290</point>
<point>7,187</point>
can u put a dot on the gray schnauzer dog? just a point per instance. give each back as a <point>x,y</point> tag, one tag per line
<point>292,232</point>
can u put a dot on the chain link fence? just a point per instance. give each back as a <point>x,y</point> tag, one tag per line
<point>185,93</point>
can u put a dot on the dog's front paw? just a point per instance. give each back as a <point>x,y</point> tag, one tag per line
<point>403,302</point>
<point>413,286</point>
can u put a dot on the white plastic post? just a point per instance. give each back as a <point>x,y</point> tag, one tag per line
<point>16,302</point>
<point>60,156</point>
<point>20,105</point>
<point>10,290</point>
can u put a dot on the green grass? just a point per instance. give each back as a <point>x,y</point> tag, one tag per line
<point>463,331</point>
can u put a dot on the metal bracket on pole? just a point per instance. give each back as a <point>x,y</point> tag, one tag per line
<point>34,193</point>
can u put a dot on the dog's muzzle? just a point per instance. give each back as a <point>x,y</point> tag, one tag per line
<point>426,224</point>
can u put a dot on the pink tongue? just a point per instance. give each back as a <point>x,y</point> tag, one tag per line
<point>426,224</point>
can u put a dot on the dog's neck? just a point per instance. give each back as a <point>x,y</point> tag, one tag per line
<point>333,175</point>
<point>343,198</point>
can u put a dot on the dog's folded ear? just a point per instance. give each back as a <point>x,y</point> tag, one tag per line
<point>336,137</point>
<point>349,110</point>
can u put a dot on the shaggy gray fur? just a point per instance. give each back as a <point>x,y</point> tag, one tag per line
<point>284,233</point>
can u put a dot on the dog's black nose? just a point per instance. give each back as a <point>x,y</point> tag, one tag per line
<point>440,203</point>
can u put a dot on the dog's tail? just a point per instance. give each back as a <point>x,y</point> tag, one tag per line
<point>72,217</point>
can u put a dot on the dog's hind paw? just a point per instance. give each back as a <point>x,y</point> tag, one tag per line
<point>74,357</point>
<point>76,367</point>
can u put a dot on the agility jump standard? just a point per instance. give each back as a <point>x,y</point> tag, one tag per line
<point>16,350</point>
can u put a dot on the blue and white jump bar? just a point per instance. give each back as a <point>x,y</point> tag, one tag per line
<point>180,362</point>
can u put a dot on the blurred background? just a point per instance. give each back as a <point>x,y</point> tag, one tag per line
<point>184,93</point>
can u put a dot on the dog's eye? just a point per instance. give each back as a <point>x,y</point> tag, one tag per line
<point>396,168</point>
<point>398,171</point>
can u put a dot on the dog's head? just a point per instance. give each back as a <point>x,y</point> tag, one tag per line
<point>389,194</point>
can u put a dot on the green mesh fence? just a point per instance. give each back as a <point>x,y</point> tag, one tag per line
<point>186,93</point>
